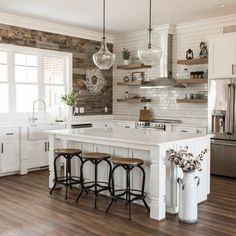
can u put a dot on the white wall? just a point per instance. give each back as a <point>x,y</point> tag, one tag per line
<point>163,100</point>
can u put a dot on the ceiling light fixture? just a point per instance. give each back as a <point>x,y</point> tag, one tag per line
<point>104,59</point>
<point>150,55</point>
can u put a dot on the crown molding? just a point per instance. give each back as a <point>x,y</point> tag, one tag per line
<point>35,24</point>
<point>209,23</point>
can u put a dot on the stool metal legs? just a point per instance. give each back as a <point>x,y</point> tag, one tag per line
<point>68,179</point>
<point>128,192</point>
<point>94,186</point>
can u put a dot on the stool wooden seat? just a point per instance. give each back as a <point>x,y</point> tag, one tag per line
<point>95,156</point>
<point>129,194</point>
<point>68,179</point>
<point>95,186</point>
<point>127,161</point>
<point>67,151</point>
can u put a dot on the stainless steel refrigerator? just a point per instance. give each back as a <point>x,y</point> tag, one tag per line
<point>222,126</point>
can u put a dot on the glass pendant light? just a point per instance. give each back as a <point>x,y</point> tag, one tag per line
<point>104,59</point>
<point>150,55</point>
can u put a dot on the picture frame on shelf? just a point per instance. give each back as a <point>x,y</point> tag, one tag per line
<point>138,76</point>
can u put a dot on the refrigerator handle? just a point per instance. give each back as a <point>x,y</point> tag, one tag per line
<point>232,103</point>
<point>228,110</point>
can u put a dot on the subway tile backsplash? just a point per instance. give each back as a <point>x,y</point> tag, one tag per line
<point>163,100</point>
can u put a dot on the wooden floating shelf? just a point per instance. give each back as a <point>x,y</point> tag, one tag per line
<point>133,83</point>
<point>196,61</point>
<point>132,66</point>
<point>196,101</point>
<point>134,100</point>
<point>192,81</point>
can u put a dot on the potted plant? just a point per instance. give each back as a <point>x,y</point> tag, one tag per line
<point>126,55</point>
<point>188,185</point>
<point>70,100</point>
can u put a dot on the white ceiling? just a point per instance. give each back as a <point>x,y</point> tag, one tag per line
<point>122,15</point>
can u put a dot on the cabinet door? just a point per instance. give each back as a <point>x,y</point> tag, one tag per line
<point>9,158</point>
<point>37,153</point>
<point>222,57</point>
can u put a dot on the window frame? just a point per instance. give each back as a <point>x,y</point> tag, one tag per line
<point>11,50</point>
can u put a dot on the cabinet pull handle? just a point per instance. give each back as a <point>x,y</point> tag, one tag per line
<point>232,69</point>
<point>184,131</point>
<point>48,146</point>
<point>45,146</point>
<point>2,148</point>
<point>9,133</point>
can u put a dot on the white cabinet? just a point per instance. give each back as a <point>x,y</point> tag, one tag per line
<point>37,152</point>
<point>35,145</point>
<point>126,125</point>
<point>101,124</point>
<point>190,130</point>
<point>222,57</point>
<point>9,147</point>
<point>129,125</point>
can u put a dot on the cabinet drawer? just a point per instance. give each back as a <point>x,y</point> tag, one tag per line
<point>129,125</point>
<point>182,129</point>
<point>190,130</point>
<point>9,132</point>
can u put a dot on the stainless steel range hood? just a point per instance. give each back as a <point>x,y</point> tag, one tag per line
<point>165,80</point>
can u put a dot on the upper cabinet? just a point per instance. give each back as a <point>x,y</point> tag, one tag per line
<point>222,57</point>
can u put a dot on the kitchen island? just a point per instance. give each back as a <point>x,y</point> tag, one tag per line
<point>149,145</point>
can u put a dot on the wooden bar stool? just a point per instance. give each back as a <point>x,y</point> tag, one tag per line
<point>94,186</point>
<point>68,179</point>
<point>128,195</point>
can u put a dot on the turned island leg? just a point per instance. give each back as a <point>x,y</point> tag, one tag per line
<point>157,184</point>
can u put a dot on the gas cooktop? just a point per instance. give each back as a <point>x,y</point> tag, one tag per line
<point>159,124</point>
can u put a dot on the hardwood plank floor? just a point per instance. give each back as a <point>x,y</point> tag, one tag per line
<point>26,208</point>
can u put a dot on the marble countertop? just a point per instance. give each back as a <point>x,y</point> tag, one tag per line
<point>135,136</point>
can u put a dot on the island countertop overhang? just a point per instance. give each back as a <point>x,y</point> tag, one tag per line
<point>129,136</point>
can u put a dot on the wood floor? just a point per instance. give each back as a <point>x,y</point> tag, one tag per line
<point>26,208</point>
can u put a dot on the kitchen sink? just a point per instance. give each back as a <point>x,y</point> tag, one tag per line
<point>37,131</point>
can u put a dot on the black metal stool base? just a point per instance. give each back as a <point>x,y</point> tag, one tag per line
<point>127,195</point>
<point>68,180</point>
<point>94,186</point>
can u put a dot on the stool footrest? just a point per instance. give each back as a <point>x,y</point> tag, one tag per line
<point>91,184</point>
<point>136,196</point>
<point>62,180</point>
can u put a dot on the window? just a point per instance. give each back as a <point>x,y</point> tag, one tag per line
<point>4,86</point>
<point>26,79</point>
<point>53,74</point>
<point>28,74</point>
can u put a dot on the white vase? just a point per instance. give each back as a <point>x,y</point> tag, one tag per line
<point>188,197</point>
<point>126,62</point>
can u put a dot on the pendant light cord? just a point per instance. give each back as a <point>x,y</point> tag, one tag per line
<point>150,25</point>
<point>104,8</point>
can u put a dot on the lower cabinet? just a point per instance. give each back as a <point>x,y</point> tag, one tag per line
<point>35,146</point>
<point>36,153</point>
<point>9,157</point>
<point>9,150</point>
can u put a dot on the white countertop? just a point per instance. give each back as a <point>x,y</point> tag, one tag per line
<point>131,136</point>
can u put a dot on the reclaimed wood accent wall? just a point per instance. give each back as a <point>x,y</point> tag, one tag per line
<point>93,85</point>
